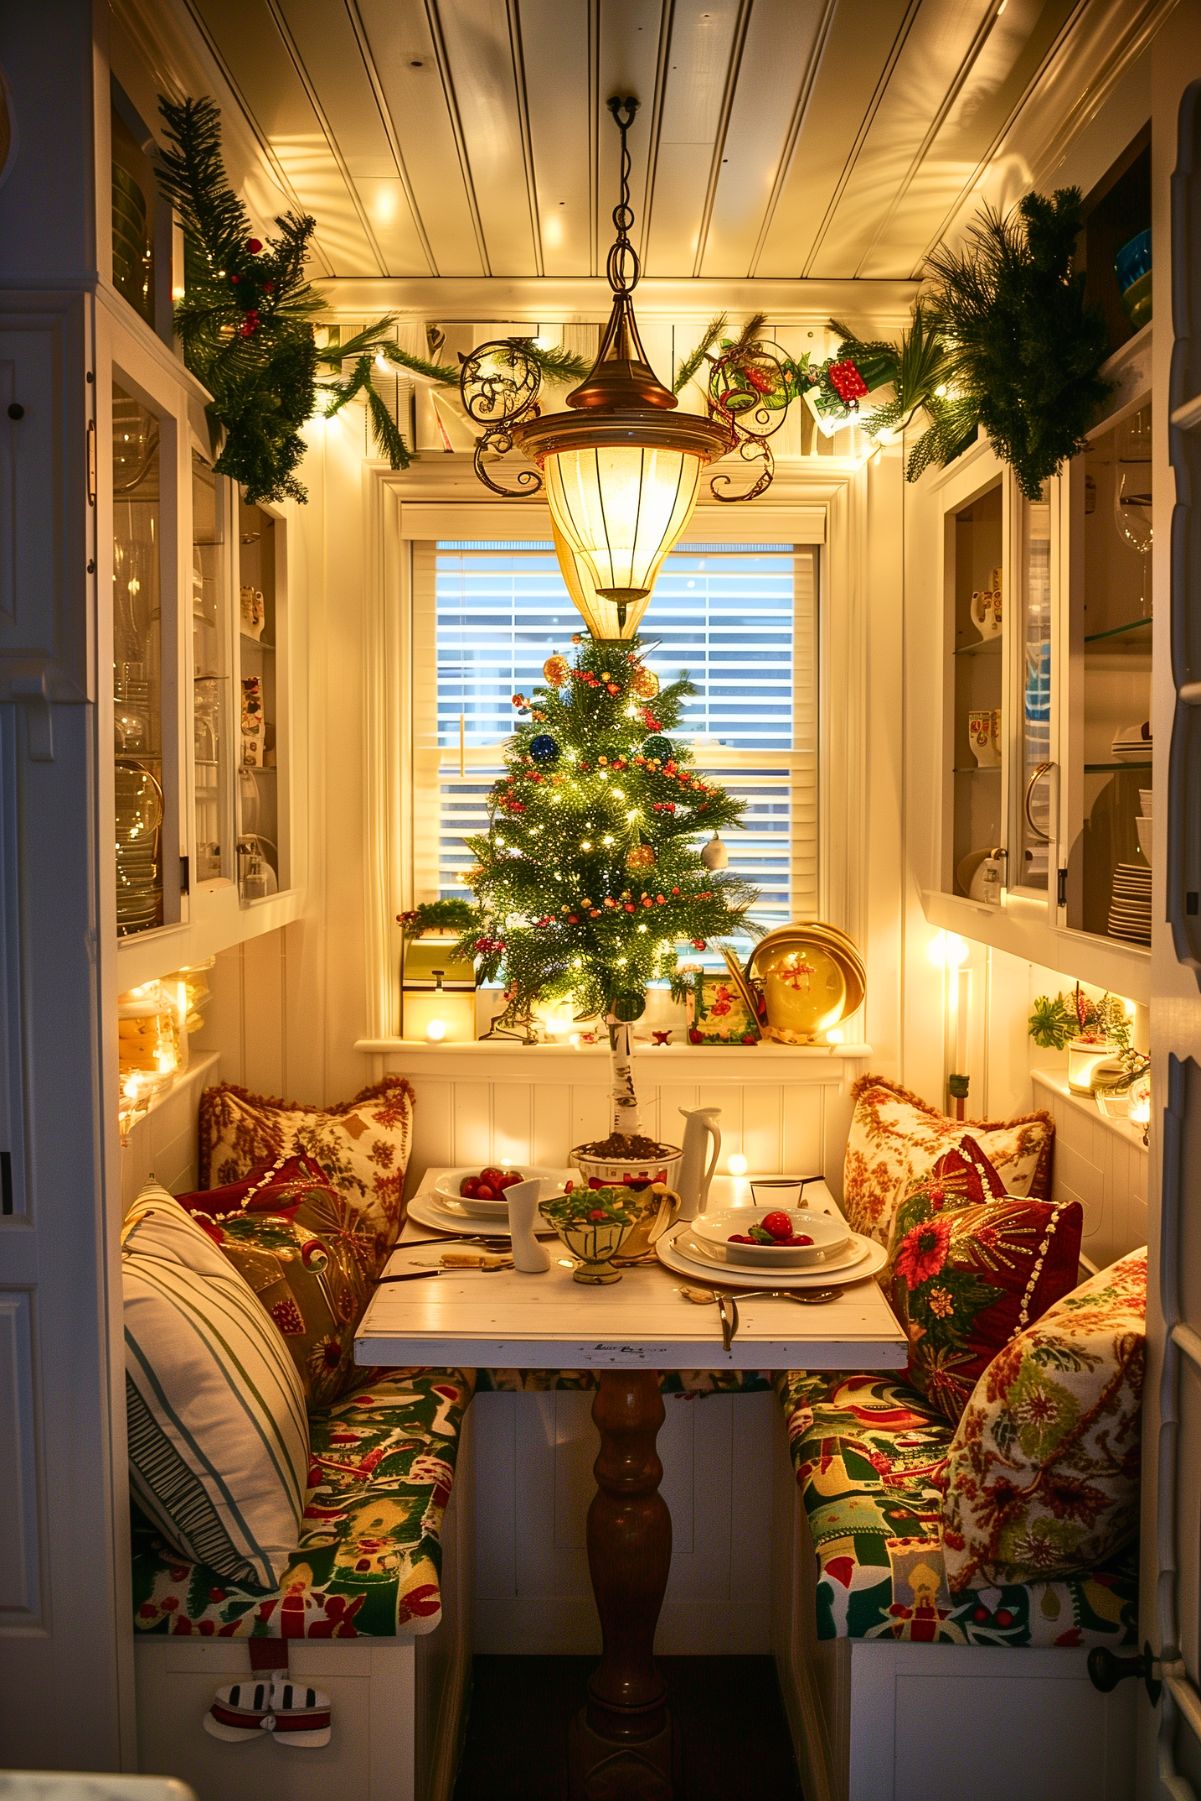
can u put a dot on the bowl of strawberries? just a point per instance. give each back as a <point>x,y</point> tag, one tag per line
<point>481,1189</point>
<point>770,1237</point>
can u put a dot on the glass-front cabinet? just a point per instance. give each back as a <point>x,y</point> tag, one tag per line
<point>1045,746</point>
<point>197,643</point>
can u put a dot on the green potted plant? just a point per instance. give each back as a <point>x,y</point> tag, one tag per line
<point>1095,1033</point>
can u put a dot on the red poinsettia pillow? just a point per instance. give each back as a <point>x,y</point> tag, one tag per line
<point>309,1256</point>
<point>968,1270</point>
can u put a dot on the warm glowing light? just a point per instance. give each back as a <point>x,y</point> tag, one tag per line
<point>1140,1109</point>
<point>737,1164</point>
<point>436,1031</point>
<point>835,1035</point>
<point>947,950</point>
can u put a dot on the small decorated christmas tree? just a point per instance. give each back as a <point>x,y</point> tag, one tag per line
<point>592,874</point>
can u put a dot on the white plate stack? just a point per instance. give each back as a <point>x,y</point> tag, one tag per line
<point>1130,908</point>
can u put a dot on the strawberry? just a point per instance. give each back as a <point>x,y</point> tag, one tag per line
<point>779,1225</point>
<point>491,1175</point>
<point>740,1238</point>
<point>801,1238</point>
<point>509,1178</point>
<point>469,1187</point>
<point>485,1192</point>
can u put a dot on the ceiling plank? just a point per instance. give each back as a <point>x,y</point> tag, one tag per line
<point>480,53</point>
<point>948,163</point>
<point>704,36</point>
<point>406,62</point>
<point>863,41</point>
<point>774,80</point>
<point>558,58</point>
<point>259,65</point>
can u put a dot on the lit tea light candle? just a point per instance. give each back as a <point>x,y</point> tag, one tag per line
<point>436,1031</point>
<point>737,1164</point>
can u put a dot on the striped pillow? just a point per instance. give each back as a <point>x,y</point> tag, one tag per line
<point>218,1436</point>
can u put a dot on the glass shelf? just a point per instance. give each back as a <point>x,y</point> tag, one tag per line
<point>977,769</point>
<point>1107,768</point>
<point>1118,631</point>
<point>986,647</point>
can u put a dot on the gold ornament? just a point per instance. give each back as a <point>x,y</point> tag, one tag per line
<point>555,671</point>
<point>645,684</point>
<point>641,857</point>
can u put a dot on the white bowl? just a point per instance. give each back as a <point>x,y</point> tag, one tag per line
<point>713,1228</point>
<point>1144,837</point>
<point>447,1187</point>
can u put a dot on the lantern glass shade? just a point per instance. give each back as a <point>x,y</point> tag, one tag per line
<point>620,508</point>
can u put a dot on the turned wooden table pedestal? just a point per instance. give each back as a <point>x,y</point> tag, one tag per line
<point>629,1332</point>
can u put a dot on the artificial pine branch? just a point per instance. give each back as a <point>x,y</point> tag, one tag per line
<point>696,356</point>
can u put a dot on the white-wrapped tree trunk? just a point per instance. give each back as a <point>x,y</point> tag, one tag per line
<point>626,1120</point>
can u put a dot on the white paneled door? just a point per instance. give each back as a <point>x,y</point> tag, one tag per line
<point>1170,1660</point>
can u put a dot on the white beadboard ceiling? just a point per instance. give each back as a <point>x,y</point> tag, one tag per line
<point>825,140</point>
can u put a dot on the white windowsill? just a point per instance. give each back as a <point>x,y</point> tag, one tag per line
<point>825,1064</point>
<point>1056,1080</point>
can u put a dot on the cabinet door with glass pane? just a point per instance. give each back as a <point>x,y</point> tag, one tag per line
<point>1107,872</point>
<point>262,839</point>
<point>974,535</point>
<point>1032,696</point>
<point>212,769</point>
<point>148,827</point>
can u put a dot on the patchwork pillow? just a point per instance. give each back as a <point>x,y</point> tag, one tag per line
<point>964,1278</point>
<point>218,1435</point>
<point>895,1138</point>
<point>362,1145</point>
<point>1042,1478</point>
<point>309,1256</point>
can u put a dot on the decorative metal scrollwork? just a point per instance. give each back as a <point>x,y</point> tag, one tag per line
<point>499,383</point>
<point>750,390</point>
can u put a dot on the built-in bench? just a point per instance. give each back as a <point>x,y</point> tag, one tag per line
<point>898,1689</point>
<point>368,1572</point>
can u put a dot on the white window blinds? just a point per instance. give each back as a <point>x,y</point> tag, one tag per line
<point>740,619</point>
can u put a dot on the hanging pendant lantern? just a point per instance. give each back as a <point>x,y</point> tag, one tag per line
<point>622,468</point>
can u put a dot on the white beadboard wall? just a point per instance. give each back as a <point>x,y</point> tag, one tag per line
<point>785,1111</point>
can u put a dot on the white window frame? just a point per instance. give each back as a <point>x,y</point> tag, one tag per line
<point>421,503</point>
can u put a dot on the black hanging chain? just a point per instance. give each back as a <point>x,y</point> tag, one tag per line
<point>623,267</point>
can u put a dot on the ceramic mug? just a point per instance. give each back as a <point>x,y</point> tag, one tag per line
<point>983,730</point>
<point>986,611</point>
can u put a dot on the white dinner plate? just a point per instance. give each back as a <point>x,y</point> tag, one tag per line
<point>689,1245</point>
<point>444,1216</point>
<point>446,1188</point>
<point>724,1277</point>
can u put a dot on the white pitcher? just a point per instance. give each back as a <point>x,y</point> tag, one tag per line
<point>694,1178</point>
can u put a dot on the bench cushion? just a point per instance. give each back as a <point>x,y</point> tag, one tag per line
<point>368,1557</point>
<point>1042,1474</point>
<point>869,1453</point>
<point>895,1139</point>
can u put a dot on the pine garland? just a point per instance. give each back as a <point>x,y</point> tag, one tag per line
<point>1023,346</point>
<point>247,316</point>
<point>589,877</point>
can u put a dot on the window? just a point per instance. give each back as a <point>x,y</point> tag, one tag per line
<point>741,619</point>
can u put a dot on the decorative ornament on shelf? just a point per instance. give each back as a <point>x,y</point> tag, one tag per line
<point>811,977</point>
<point>714,855</point>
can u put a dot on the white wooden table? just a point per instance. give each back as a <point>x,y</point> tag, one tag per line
<point>628,1331</point>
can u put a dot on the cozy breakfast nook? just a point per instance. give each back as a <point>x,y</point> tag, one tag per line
<point>600,1049</point>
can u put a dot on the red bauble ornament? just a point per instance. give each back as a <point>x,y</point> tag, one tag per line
<point>253,245</point>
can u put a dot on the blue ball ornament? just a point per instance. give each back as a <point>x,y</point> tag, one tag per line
<point>544,748</point>
<point>659,749</point>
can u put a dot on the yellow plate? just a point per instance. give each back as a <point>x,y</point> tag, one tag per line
<point>844,955</point>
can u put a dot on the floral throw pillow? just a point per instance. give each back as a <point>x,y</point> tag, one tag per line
<point>363,1145</point>
<point>1042,1478</point>
<point>309,1256</point>
<point>895,1139</point>
<point>964,1278</point>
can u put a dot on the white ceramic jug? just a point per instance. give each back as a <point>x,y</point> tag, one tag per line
<point>530,1257</point>
<point>694,1178</point>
